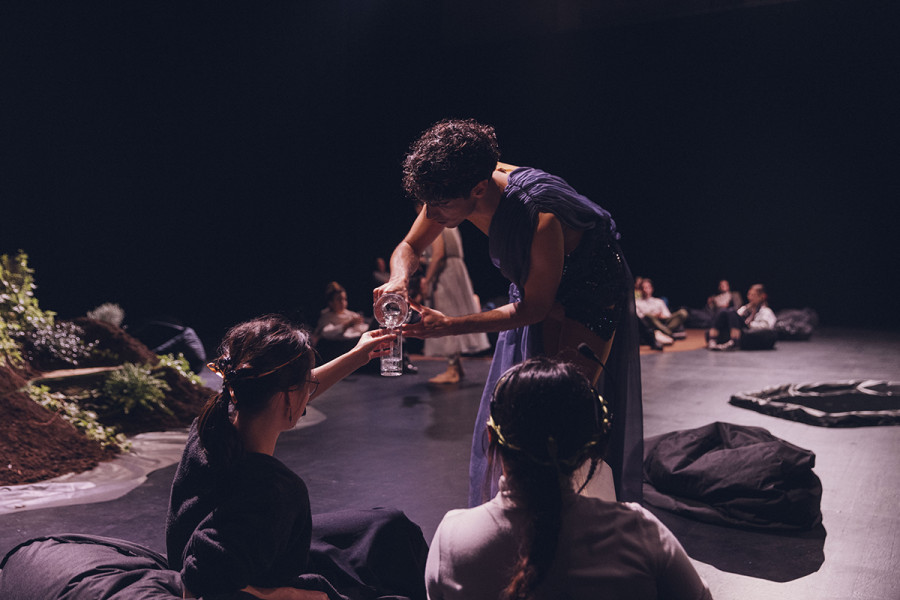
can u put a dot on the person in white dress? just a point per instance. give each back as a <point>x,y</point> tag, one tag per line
<point>447,283</point>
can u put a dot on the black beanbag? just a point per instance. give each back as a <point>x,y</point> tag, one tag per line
<point>733,475</point>
<point>84,567</point>
<point>355,555</point>
<point>796,323</point>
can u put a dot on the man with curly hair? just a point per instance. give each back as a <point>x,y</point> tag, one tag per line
<point>571,292</point>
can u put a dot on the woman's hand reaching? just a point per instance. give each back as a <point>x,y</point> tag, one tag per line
<point>375,343</point>
<point>371,344</point>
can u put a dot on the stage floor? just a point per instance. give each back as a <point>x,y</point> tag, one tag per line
<point>395,442</point>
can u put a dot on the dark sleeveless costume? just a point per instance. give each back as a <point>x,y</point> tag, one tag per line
<point>595,276</point>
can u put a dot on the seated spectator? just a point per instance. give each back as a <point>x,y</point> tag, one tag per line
<point>336,321</point>
<point>539,537</point>
<point>239,520</point>
<point>724,298</point>
<point>754,320</point>
<point>666,326</point>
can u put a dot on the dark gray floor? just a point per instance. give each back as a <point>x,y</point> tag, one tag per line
<point>394,442</point>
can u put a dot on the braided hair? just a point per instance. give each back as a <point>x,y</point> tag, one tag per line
<point>256,359</point>
<point>546,421</point>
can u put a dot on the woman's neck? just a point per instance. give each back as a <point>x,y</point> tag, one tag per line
<point>256,435</point>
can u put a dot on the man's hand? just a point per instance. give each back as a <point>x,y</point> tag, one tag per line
<point>393,286</point>
<point>433,323</point>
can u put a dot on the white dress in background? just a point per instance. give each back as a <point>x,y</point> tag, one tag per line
<point>453,295</point>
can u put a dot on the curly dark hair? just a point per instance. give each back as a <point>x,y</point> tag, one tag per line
<point>449,159</point>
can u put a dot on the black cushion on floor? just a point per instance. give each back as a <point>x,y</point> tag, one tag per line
<point>854,403</point>
<point>796,323</point>
<point>759,339</point>
<point>363,554</point>
<point>733,475</point>
<point>85,567</point>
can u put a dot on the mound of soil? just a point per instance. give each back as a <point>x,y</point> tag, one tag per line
<point>36,444</point>
<point>117,341</point>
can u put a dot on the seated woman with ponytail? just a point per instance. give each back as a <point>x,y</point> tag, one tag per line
<point>239,522</point>
<point>538,537</point>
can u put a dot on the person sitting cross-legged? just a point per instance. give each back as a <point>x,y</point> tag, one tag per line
<point>666,325</point>
<point>753,320</point>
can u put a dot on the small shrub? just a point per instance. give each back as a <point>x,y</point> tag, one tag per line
<point>19,310</point>
<point>53,345</point>
<point>180,364</point>
<point>28,333</point>
<point>9,349</point>
<point>134,387</point>
<point>69,409</point>
<point>108,312</point>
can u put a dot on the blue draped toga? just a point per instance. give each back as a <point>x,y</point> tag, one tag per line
<point>595,277</point>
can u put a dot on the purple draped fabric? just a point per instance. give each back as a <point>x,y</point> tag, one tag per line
<point>529,192</point>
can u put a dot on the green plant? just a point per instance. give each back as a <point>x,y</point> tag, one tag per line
<point>134,387</point>
<point>26,331</point>
<point>19,311</point>
<point>108,312</point>
<point>55,345</point>
<point>180,364</point>
<point>9,349</point>
<point>69,409</point>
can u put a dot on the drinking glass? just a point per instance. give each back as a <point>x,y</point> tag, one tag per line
<point>391,311</point>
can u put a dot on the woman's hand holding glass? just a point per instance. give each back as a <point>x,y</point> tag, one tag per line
<point>375,343</point>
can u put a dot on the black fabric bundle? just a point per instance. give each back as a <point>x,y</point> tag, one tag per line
<point>733,475</point>
<point>376,554</point>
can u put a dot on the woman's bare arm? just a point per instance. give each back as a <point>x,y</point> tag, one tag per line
<point>371,344</point>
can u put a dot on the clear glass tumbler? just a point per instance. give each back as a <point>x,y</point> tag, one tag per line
<point>391,311</point>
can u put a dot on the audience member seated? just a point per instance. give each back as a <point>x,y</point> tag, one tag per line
<point>539,537</point>
<point>751,327</point>
<point>647,336</point>
<point>724,298</point>
<point>239,520</point>
<point>666,325</point>
<point>338,328</point>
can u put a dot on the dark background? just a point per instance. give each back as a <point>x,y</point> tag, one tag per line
<point>215,161</point>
